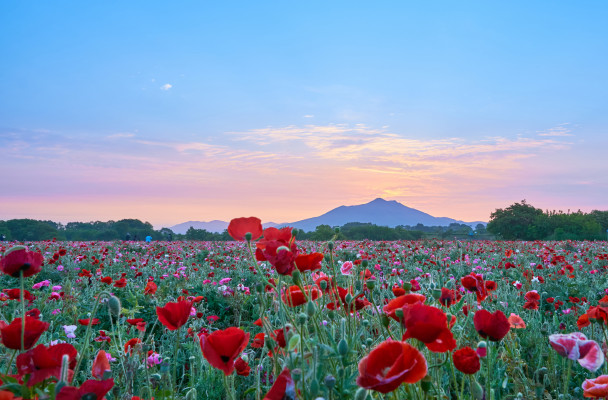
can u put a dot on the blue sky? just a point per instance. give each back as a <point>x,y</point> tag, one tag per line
<point>123,109</point>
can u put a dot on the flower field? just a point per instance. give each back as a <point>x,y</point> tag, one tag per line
<point>269,317</point>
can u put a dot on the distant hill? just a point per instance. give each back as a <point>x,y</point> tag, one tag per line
<point>379,211</point>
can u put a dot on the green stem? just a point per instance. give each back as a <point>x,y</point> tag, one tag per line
<point>175,360</point>
<point>567,377</point>
<point>21,295</point>
<point>10,362</point>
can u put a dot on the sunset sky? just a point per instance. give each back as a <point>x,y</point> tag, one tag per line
<point>189,110</point>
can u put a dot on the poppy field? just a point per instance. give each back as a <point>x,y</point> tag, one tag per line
<point>267,316</point>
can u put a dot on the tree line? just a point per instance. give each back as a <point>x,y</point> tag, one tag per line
<point>522,221</point>
<point>134,229</point>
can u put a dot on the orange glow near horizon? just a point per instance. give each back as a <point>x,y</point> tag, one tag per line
<point>287,174</point>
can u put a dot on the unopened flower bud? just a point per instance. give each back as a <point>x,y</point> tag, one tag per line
<point>296,374</point>
<point>361,394</point>
<point>296,277</point>
<point>330,381</point>
<point>482,349</point>
<point>302,317</point>
<point>371,284</point>
<point>407,286</point>
<point>436,293</point>
<point>342,347</point>
<point>330,246</point>
<point>399,313</point>
<point>114,306</point>
<point>248,236</point>
<point>311,308</point>
<point>323,285</point>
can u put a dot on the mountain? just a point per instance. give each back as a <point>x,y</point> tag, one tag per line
<point>211,226</point>
<point>380,212</point>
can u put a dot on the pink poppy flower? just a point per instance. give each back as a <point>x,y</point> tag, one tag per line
<point>576,346</point>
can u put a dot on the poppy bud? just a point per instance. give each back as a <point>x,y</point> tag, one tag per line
<point>302,317</point>
<point>436,293</point>
<point>476,390</point>
<point>371,284</point>
<point>369,341</point>
<point>399,313</point>
<point>365,323</point>
<point>296,276</point>
<point>330,246</point>
<point>330,382</point>
<point>114,306</point>
<point>482,349</point>
<point>331,314</point>
<point>311,308</point>
<point>348,298</point>
<point>407,286</point>
<point>248,237</point>
<point>361,394</point>
<point>342,347</point>
<point>323,285</point>
<point>385,320</point>
<point>364,264</point>
<point>259,288</point>
<point>296,374</point>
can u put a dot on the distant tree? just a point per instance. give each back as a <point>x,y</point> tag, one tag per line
<point>518,221</point>
<point>322,232</point>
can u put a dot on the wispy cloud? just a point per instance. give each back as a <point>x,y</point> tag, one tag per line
<point>561,130</point>
<point>166,86</point>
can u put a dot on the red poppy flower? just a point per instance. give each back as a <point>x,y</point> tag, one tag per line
<point>359,302</point>
<point>258,341</point>
<point>282,256</point>
<point>466,360</point>
<point>283,387</point>
<point>222,347</point>
<point>11,333</point>
<point>474,283</point>
<point>583,321</point>
<point>42,362</point>
<point>279,336</point>
<point>493,326</point>
<point>596,388</point>
<point>399,302</point>
<point>271,234</point>
<point>241,366</point>
<point>106,279</point>
<point>309,262</point>
<point>239,227</point>
<point>150,288</point>
<point>398,291</point>
<point>15,294</point>
<point>90,389</point>
<point>130,345</point>
<point>294,296</point>
<point>174,315</point>
<point>100,365</point>
<point>491,286</point>
<point>390,364</point>
<point>598,313</point>
<point>429,325</point>
<point>134,321</point>
<point>449,297</point>
<point>122,282</point>
<point>88,321</point>
<point>19,258</point>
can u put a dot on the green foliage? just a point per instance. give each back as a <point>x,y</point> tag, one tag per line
<point>521,221</point>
